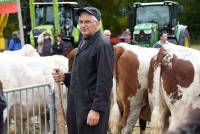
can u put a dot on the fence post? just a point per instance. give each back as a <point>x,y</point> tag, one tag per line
<point>52,110</point>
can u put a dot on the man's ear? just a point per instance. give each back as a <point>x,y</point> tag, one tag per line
<point>98,24</point>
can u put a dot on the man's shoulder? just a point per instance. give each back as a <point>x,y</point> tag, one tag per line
<point>157,45</point>
<point>103,41</point>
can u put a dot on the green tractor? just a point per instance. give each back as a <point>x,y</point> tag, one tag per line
<point>146,20</point>
<point>55,17</point>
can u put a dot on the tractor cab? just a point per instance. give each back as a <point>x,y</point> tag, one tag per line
<point>146,20</point>
<point>55,17</point>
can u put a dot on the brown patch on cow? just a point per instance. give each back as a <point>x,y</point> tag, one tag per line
<point>176,72</point>
<point>155,61</point>
<point>128,66</point>
<point>127,81</point>
<point>67,53</point>
<point>118,51</point>
<point>71,56</point>
<point>150,74</point>
<point>161,54</point>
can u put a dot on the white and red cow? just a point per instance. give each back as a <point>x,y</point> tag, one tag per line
<point>18,71</point>
<point>131,72</point>
<point>174,87</point>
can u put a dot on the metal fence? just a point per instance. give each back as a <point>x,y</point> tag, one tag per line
<point>30,110</point>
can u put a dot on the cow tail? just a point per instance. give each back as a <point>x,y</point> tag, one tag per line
<point>118,50</point>
<point>115,114</point>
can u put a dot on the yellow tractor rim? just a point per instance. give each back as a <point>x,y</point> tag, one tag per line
<point>186,41</point>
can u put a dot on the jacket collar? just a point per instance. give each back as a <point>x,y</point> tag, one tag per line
<point>92,38</point>
<point>88,41</point>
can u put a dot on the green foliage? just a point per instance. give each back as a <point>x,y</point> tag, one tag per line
<point>113,20</point>
<point>12,25</point>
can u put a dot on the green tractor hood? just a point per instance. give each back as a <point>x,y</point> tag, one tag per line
<point>146,34</point>
<point>35,32</point>
<point>146,26</point>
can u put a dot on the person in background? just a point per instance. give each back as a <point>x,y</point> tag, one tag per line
<point>163,40</point>
<point>90,79</point>
<point>47,46</point>
<point>126,36</point>
<point>107,33</point>
<point>60,47</point>
<point>15,42</point>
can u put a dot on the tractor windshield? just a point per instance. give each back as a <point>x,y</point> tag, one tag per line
<point>66,20</point>
<point>44,15</point>
<point>153,14</point>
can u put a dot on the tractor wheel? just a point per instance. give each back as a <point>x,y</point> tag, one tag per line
<point>184,40</point>
<point>173,41</point>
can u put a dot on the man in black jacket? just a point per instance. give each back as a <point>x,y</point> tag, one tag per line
<point>91,78</point>
<point>60,47</point>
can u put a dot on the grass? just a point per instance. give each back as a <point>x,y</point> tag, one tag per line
<point>195,46</point>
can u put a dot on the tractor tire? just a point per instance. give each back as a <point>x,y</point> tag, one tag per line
<point>173,41</point>
<point>184,39</point>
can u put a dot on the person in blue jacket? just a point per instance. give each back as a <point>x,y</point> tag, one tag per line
<point>15,42</point>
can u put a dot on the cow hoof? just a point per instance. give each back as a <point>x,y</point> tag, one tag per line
<point>142,132</point>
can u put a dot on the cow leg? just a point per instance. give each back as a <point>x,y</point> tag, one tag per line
<point>160,115</point>
<point>133,111</point>
<point>159,119</point>
<point>44,127</point>
<point>175,121</point>
<point>145,115</point>
<point>143,124</point>
<point>115,113</point>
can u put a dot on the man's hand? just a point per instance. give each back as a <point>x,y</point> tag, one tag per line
<point>58,75</point>
<point>93,118</point>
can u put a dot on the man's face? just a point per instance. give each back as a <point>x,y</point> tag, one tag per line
<point>88,24</point>
<point>127,38</point>
<point>164,37</point>
<point>59,38</point>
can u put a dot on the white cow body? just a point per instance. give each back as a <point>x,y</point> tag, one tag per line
<point>20,71</point>
<point>26,50</point>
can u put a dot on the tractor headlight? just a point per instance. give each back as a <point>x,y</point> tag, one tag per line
<point>136,32</point>
<point>67,26</point>
<point>149,31</point>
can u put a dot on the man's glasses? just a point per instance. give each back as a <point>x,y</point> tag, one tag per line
<point>87,22</point>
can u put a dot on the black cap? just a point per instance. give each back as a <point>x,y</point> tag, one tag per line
<point>90,10</point>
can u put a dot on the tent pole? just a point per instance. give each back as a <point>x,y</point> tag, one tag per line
<point>20,22</point>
